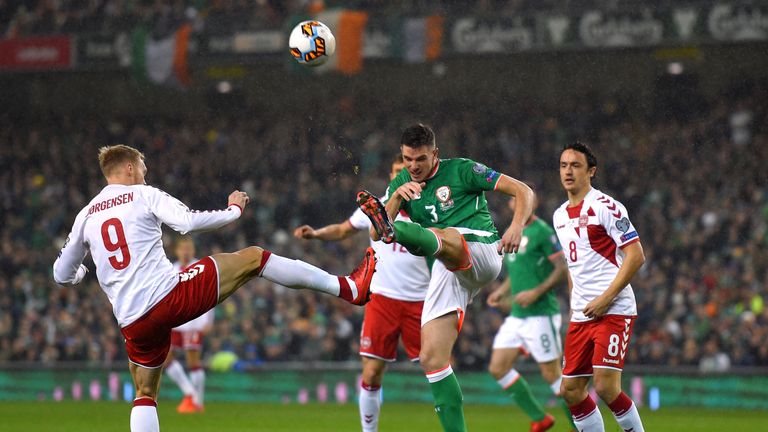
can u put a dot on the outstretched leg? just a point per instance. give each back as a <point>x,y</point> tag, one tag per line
<point>235,269</point>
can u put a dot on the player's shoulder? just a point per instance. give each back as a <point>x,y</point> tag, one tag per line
<point>605,204</point>
<point>562,210</point>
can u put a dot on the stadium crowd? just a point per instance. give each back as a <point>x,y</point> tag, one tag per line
<point>42,17</point>
<point>694,184</point>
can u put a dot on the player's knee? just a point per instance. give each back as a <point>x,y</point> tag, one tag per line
<point>372,376</point>
<point>572,392</point>
<point>497,370</point>
<point>253,256</point>
<point>607,390</point>
<point>550,375</point>
<point>145,391</point>
<point>430,361</point>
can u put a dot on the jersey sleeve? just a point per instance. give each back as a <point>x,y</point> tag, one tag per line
<point>68,269</point>
<point>359,220</point>
<point>478,176</point>
<point>615,219</point>
<point>181,219</point>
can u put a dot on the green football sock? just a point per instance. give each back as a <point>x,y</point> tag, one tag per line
<point>419,241</point>
<point>521,392</point>
<point>448,403</point>
<point>567,412</point>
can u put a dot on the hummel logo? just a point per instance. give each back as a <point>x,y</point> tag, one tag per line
<point>368,418</point>
<point>189,274</point>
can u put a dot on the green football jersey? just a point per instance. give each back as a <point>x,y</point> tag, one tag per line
<point>531,265</point>
<point>454,197</point>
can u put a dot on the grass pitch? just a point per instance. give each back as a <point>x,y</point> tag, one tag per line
<point>235,417</point>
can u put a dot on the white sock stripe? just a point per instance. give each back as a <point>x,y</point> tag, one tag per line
<point>439,242</point>
<point>439,374</point>
<point>555,386</point>
<point>510,378</point>
<point>352,286</point>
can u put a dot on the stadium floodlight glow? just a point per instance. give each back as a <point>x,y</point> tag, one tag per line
<point>224,87</point>
<point>675,68</point>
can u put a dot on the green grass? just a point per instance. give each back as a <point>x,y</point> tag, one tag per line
<point>111,416</point>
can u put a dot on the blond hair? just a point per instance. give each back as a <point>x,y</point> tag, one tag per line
<point>110,157</point>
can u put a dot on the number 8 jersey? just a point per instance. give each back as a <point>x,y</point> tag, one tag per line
<point>121,229</point>
<point>592,235</point>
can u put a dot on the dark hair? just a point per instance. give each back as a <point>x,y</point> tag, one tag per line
<point>584,149</point>
<point>418,135</point>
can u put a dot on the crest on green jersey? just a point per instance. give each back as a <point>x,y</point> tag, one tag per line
<point>443,194</point>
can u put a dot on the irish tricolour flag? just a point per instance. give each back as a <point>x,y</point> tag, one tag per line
<point>162,61</point>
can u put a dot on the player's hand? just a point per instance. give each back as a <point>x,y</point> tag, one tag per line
<point>80,274</point>
<point>597,307</point>
<point>526,298</point>
<point>510,241</point>
<point>410,191</point>
<point>238,198</point>
<point>304,232</point>
<point>494,298</point>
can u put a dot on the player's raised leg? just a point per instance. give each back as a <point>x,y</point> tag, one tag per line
<point>437,339</point>
<point>447,245</point>
<point>370,393</point>
<point>144,413</point>
<point>235,269</point>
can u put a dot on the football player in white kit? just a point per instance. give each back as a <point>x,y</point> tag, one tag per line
<point>398,291</point>
<point>603,252</point>
<point>188,337</point>
<point>120,227</point>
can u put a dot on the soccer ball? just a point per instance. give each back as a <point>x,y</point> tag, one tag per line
<point>311,43</point>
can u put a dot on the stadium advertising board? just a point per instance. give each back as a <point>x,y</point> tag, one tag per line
<point>36,53</point>
<point>104,49</point>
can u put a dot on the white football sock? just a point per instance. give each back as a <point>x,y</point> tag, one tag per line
<point>555,386</point>
<point>630,421</point>
<point>298,274</point>
<point>592,422</point>
<point>370,407</point>
<point>176,373</point>
<point>197,377</point>
<point>144,417</point>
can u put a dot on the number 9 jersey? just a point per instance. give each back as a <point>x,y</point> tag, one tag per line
<point>121,229</point>
<point>592,235</point>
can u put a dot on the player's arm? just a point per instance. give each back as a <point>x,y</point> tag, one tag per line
<point>181,219</point>
<point>498,296</point>
<point>68,269</point>
<point>333,232</point>
<point>524,198</point>
<point>634,258</point>
<point>558,274</point>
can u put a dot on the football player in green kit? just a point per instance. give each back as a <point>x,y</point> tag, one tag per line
<point>533,325</point>
<point>445,199</point>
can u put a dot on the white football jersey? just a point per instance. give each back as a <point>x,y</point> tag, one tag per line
<point>399,275</point>
<point>121,229</point>
<point>592,235</point>
<point>203,321</point>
